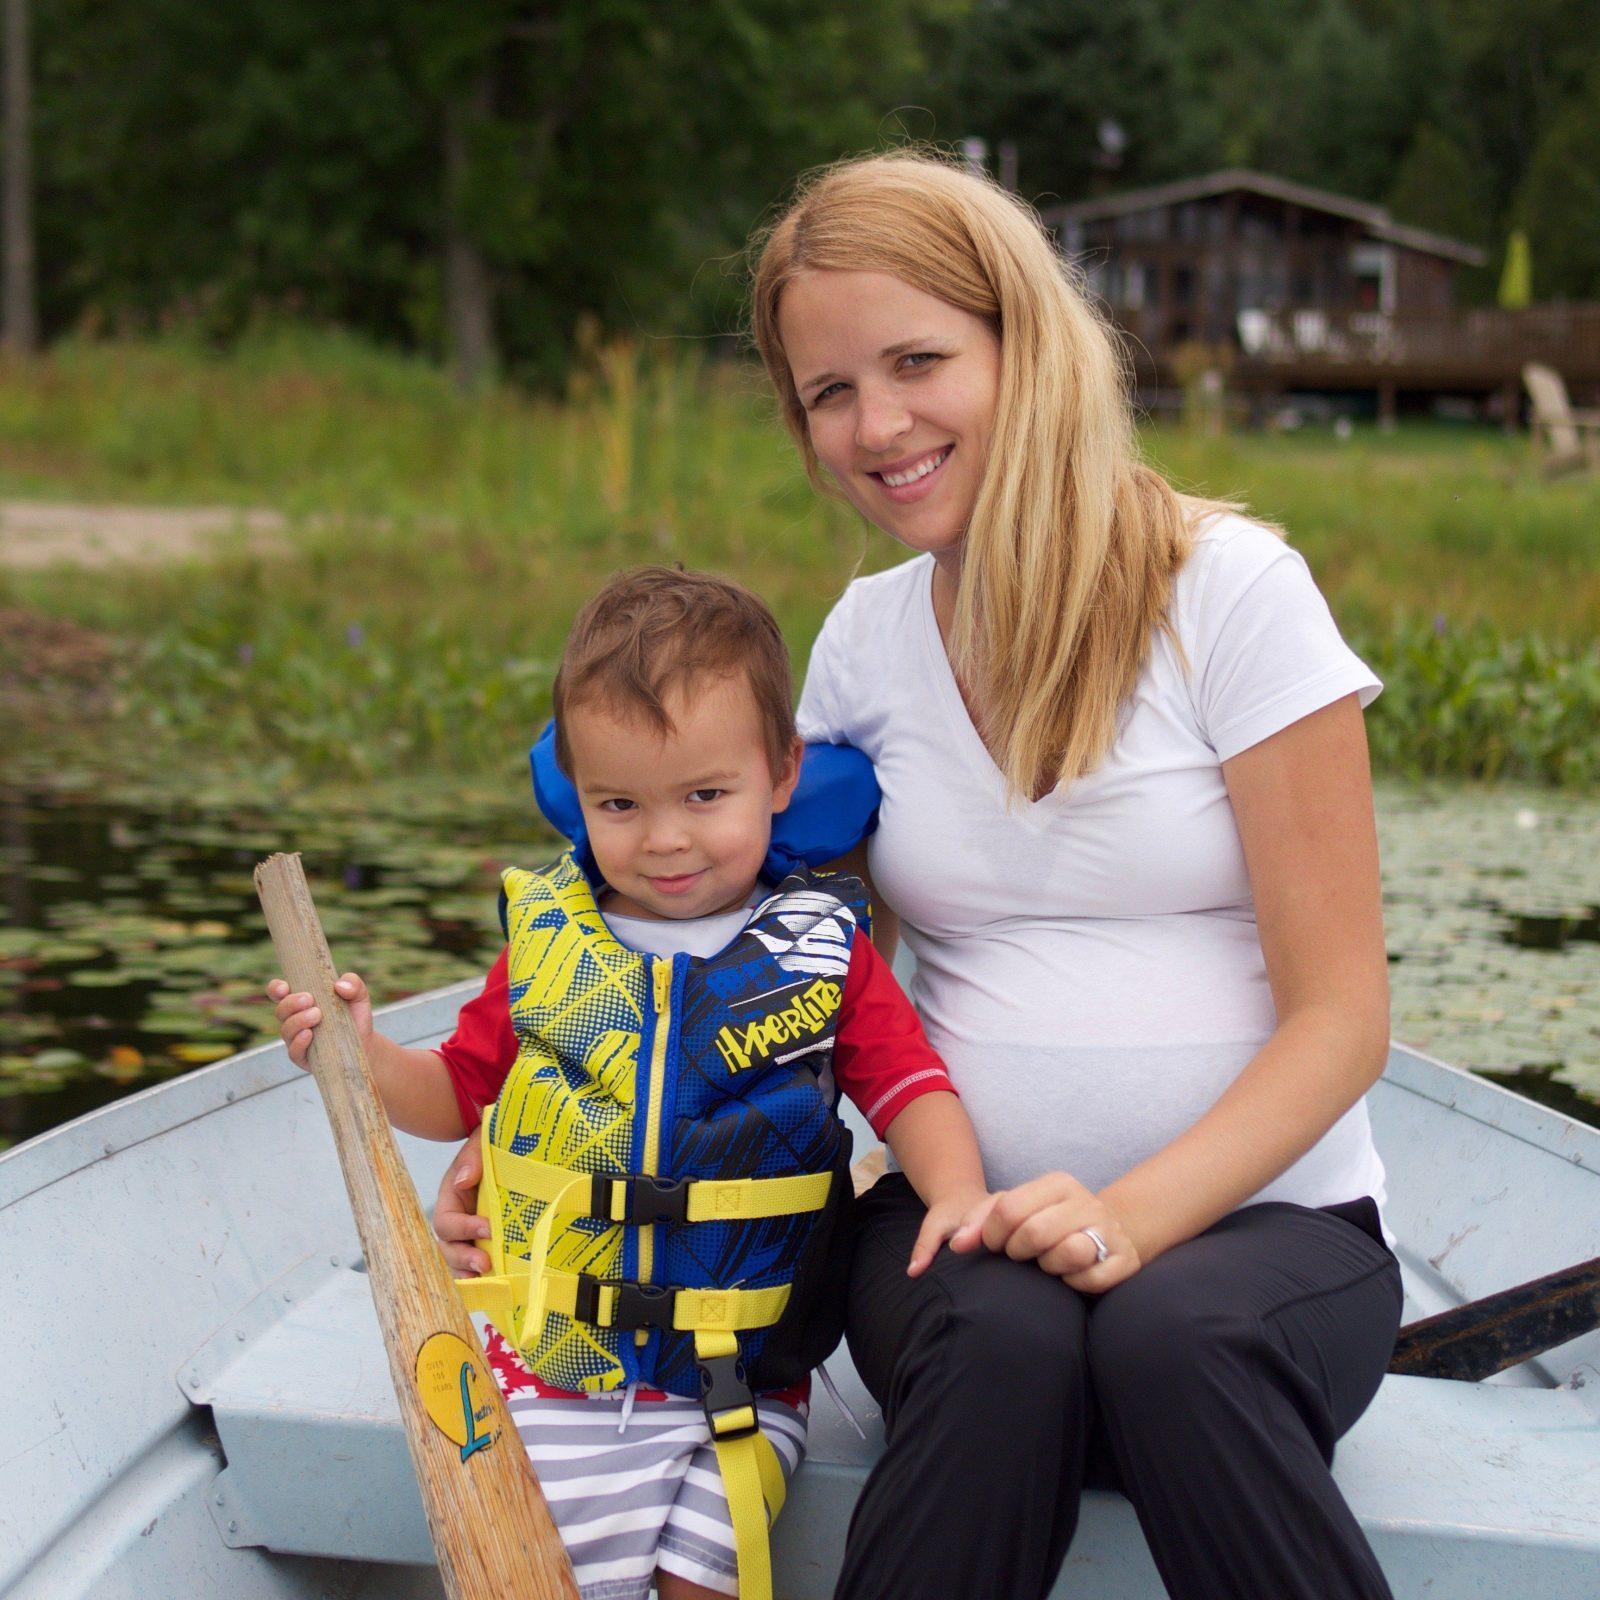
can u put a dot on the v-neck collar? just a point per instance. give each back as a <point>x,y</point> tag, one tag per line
<point>1035,812</point>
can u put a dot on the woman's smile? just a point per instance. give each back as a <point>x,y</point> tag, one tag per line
<point>912,478</point>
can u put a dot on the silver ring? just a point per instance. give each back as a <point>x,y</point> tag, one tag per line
<point>1101,1248</point>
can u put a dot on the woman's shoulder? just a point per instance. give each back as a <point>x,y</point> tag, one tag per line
<point>1231,551</point>
<point>898,585</point>
<point>878,603</point>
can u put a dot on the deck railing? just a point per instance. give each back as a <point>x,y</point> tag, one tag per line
<point>1478,345</point>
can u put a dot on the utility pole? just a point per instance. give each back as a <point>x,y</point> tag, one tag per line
<point>19,313</point>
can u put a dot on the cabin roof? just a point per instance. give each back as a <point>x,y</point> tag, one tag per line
<point>1374,218</point>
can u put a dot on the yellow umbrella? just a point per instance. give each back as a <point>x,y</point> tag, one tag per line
<point>1516,280</point>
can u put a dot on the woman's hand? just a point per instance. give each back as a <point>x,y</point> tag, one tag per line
<point>1043,1220</point>
<point>955,1214</point>
<point>298,1017</point>
<point>455,1218</point>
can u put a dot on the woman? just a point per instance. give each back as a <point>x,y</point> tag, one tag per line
<point>1127,825</point>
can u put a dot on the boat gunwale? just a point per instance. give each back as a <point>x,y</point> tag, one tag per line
<point>97,1135</point>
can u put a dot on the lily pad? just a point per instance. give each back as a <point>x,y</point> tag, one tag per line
<point>59,1060</point>
<point>178,1022</point>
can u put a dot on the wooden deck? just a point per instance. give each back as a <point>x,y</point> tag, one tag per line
<point>1467,352</point>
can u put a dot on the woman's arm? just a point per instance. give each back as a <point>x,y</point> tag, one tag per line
<point>1303,802</point>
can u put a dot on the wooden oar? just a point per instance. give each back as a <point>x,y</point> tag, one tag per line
<point>1486,1336</point>
<point>491,1527</point>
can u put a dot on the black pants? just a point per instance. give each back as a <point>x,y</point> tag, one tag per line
<point>1209,1388</point>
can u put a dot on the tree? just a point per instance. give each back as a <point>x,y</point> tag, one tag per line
<point>19,316</point>
<point>1437,187</point>
<point>1558,202</point>
<point>470,177</point>
<point>1046,75</point>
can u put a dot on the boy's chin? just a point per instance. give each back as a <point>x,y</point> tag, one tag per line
<point>696,900</point>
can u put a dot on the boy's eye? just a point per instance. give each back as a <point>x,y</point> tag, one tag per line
<point>703,796</point>
<point>616,807</point>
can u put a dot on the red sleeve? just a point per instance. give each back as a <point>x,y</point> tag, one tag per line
<point>479,1054</point>
<point>881,1057</point>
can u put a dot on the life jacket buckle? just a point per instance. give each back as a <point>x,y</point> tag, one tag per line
<point>723,1389</point>
<point>633,1305</point>
<point>644,1200</point>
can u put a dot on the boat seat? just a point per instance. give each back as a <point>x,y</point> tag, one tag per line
<point>1448,1479</point>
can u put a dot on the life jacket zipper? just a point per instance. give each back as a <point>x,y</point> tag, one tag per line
<point>661,976</point>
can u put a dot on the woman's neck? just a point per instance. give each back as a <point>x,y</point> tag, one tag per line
<point>946,586</point>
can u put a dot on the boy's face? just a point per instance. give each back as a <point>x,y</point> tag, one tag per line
<point>680,823</point>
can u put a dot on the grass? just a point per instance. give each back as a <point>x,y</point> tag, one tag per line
<point>438,547</point>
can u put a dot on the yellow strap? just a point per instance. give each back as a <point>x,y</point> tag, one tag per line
<point>538,1180</point>
<point>491,1295</point>
<point>692,1311</point>
<point>489,1202</point>
<point>564,1193</point>
<point>752,1478</point>
<point>710,1199</point>
<point>568,1193</point>
<point>538,1251</point>
<point>739,1199</point>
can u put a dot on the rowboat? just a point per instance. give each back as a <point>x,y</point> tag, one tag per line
<point>197,1401</point>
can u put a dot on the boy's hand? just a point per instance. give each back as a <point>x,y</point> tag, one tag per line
<point>958,1218</point>
<point>298,1017</point>
<point>455,1218</point>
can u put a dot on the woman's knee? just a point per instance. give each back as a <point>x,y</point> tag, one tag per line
<point>1014,1325</point>
<point>1151,1347</point>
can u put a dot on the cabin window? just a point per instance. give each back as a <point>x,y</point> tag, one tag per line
<point>1373,269</point>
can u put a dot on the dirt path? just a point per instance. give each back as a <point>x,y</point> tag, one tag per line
<point>44,533</point>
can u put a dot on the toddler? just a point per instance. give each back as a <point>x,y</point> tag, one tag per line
<point>659,1048</point>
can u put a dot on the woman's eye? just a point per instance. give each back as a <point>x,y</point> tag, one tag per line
<point>616,807</point>
<point>825,394</point>
<point>704,796</point>
<point>921,358</point>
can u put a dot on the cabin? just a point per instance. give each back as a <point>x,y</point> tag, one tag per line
<point>1285,288</point>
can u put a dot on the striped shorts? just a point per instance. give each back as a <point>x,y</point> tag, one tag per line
<point>629,1499</point>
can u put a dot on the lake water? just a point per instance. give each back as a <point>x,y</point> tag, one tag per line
<point>133,948</point>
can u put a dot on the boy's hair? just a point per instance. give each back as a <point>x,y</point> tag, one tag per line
<point>651,629</point>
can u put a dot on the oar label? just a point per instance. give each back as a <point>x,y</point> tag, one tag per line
<point>455,1392</point>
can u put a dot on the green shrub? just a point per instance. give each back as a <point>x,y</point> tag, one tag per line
<point>1474,703</point>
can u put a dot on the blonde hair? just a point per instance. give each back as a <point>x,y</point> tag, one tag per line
<point>1069,556</point>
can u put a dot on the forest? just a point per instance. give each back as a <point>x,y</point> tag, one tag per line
<point>477,181</point>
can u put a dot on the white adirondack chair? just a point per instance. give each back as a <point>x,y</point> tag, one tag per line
<point>1563,438</point>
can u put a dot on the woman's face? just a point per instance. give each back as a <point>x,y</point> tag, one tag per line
<point>899,390</point>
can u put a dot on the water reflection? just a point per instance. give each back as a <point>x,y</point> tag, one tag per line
<point>133,947</point>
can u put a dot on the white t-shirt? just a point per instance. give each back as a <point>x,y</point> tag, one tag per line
<point>1088,964</point>
<point>673,936</point>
